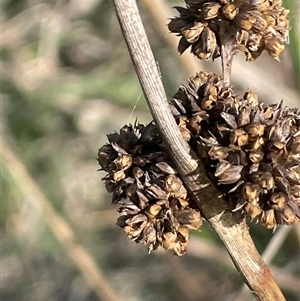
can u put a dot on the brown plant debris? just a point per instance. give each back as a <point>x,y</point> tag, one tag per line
<point>251,150</point>
<point>254,26</point>
<point>158,210</point>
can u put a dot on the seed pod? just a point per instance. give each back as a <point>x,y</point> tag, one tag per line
<point>278,200</point>
<point>274,47</point>
<point>253,210</point>
<point>268,218</point>
<point>239,137</point>
<point>192,34</point>
<point>210,10</point>
<point>169,240</point>
<point>205,48</point>
<point>230,11</point>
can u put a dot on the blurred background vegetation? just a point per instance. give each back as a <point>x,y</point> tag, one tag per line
<point>67,81</point>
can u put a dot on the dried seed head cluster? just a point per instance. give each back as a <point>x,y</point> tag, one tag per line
<point>251,150</point>
<point>158,210</point>
<point>254,26</point>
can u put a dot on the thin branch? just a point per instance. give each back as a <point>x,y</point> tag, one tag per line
<point>60,228</point>
<point>231,227</point>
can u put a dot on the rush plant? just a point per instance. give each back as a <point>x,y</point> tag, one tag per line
<point>209,153</point>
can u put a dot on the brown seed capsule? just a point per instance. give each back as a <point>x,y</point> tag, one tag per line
<point>183,234</point>
<point>253,210</point>
<point>258,143</point>
<point>190,218</point>
<point>182,124</point>
<point>218,152</point>
<point>174,186</point>
<point>295,191</point>
<point>264,179</point>
<point>260,23</point>
<point>123,162</point>
<point>244,116</point>
<point>278,200</point>
<point>154,210</point>
<point>255,43</point>
<point>192,34</point>
<point>251,98</point>
<point>155,192</point>
<point>131,190</point>
<point>239,137</point>
<point>268,218</point>
<point>252,24</point>
<point>230,11</point>
<point>103,157</point>
<point>149,237</point>
<point>228,174</point>
<point>119,175</point>
<point>256,156</point>
<point>209,102</point>
<point>287,216</point>
<point>169,240</point>
<point>245,20</point>
<point>251,192</point>
<point>180,248</point>
<point>137,172</point>
<point>205,47</point>
<point>274,47</point>
<point>271,20</point>
<point>210,10</point>
<point>255,130</point>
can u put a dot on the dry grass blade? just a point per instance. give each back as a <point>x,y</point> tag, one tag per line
<point>275,243</point>
<point>64,234</point>
<point>231,228</point>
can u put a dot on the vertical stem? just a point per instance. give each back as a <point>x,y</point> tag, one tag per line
<point>227,53</point>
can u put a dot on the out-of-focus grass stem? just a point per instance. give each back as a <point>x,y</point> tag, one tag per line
<point>294,38</point>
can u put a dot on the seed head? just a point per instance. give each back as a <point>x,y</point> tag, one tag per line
<point>250,150</point>
<point>254,25</point>
<point>156,208</point>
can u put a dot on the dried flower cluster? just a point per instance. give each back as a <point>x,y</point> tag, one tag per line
<point>251,150</point>
<point>253,25</point>
<point>158,210</point>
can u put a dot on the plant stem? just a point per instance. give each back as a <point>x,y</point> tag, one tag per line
<point>227,53</point>
<point>231,227</point>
